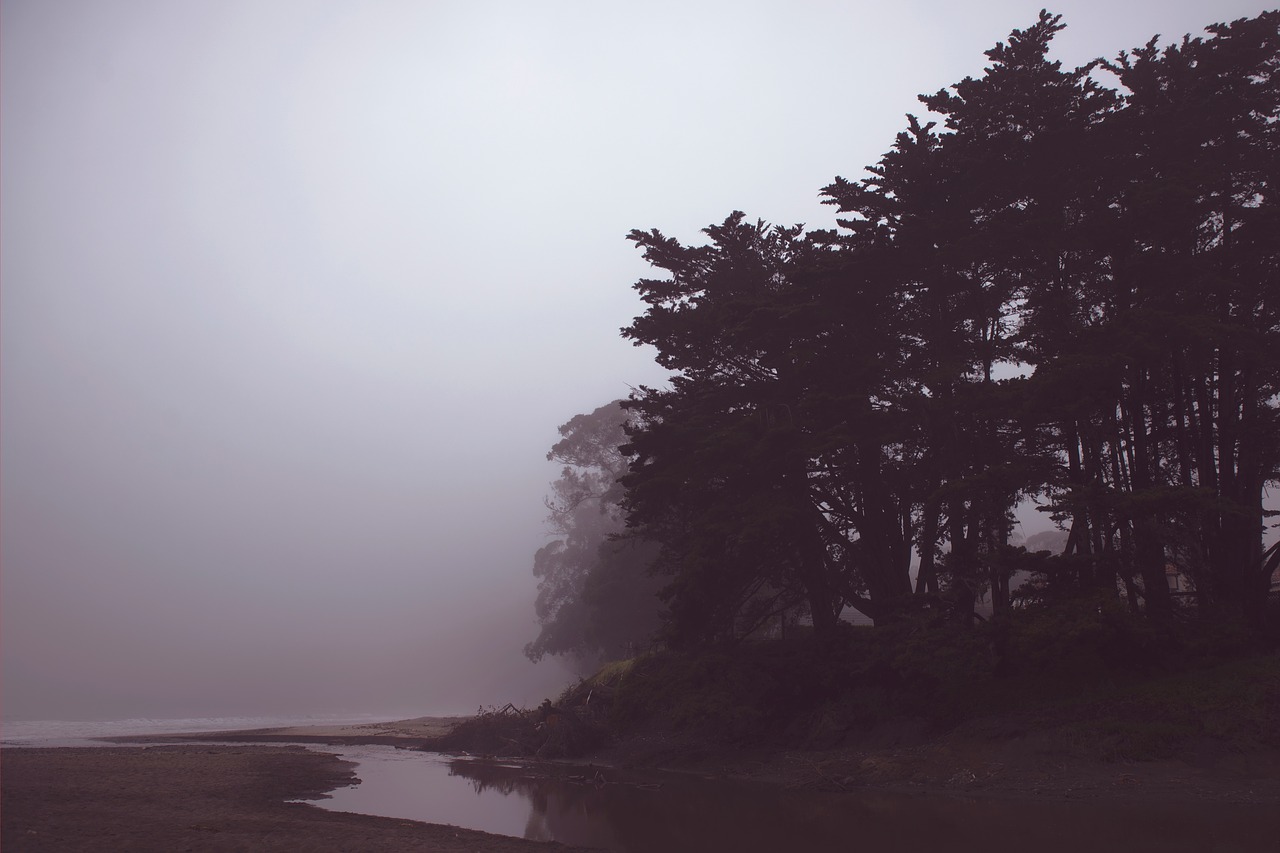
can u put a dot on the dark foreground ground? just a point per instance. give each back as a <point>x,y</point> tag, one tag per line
<point>222,798</point>
<point>1204,738</point>
<point>201,798</point>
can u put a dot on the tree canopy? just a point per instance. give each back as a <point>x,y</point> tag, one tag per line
<point>1048,289</point>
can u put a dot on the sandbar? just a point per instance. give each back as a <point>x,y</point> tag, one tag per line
<point>203,798</point>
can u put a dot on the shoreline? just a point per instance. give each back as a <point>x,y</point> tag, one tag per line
<point>413,733</point>
<point>234,790</point>
<point>204,798</point>
<point>1030,766</point>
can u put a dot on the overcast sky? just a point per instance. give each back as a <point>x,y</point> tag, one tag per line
<point>295,294</point>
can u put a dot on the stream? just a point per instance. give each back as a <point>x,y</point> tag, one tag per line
<point>674,813</point>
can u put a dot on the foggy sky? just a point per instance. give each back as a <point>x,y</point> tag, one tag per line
<point>295,294</point>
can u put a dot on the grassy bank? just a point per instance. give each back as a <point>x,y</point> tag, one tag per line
<point>1090,681</point>
<point>1098,677</point>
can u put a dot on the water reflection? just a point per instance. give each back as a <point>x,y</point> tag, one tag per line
<point>624,812</point>
<point>690,814</point>
<point>635,813</point>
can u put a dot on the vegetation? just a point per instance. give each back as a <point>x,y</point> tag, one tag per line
<point>1100,683</point>
<point>1051,290</point>
<point>596,599</point>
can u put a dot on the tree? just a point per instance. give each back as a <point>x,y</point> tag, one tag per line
<point>719,477</point>
<point>1054,290</point>
<point>964,221</point>
<point>596,599</point>
<point>1194,286</point>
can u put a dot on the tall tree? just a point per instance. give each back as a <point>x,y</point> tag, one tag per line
<point>596,598</point>
<point>967,215</point>
<point>719,476</point>
<point>1195,284</point>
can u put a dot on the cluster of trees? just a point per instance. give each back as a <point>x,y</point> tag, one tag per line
<point>1056,290</point>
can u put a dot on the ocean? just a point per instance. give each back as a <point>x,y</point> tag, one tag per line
<point>36,733</point>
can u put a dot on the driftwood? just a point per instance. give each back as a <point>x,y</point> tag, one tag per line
<point>549,731</point>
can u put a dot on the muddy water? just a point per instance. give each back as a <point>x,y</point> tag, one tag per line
<point>675,813</point>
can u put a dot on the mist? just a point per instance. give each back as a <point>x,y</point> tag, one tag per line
<point>295,295</point>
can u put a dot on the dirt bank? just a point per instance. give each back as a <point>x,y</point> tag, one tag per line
<point>1033,766</point>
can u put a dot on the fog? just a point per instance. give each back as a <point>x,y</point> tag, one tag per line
<point>295,294</point>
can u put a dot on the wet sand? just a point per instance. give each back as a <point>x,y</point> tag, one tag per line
<point>202,798</point>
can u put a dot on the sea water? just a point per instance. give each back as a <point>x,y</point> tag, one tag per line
<point>86,733</point>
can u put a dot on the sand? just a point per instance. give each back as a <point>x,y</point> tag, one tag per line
<point>202,798</point>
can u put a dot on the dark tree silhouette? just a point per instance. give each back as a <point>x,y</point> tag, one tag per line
<point>1052,289</point>
<point>719,477</point>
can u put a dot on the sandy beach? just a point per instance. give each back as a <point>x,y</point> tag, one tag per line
<point>202,798</point>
